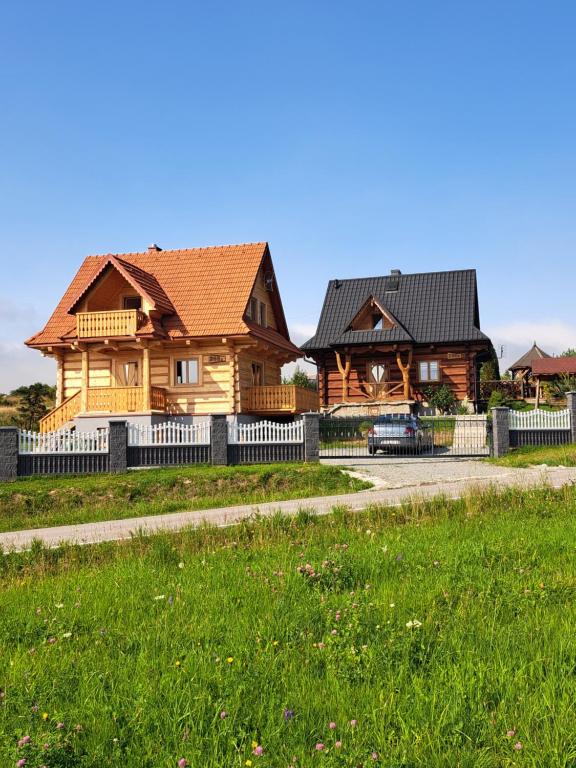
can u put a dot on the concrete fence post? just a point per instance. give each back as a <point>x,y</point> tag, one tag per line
<point>219,440</point>
<point>311,436</point>
<point>571,401</point>
<point>118,446</point>
<point>500,431</point>
<point>8,454</point>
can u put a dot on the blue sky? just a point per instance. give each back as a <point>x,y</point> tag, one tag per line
<point>354,137</point>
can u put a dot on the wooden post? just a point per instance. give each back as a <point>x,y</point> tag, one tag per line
<point>345,373</point>
<point>405,370</point>
<point>146,390</point>
<point>59,380</point>
<point>85,380</point>
<point>537,393</point>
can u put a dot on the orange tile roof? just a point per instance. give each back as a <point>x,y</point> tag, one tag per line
<point>208,289</point>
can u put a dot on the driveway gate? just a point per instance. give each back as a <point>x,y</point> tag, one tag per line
<point>439,436</point>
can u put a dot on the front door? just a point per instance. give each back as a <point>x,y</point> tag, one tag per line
<point>378,378</point>
<point>257,375</point>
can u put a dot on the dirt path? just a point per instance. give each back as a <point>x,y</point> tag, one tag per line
<point>395,481</point>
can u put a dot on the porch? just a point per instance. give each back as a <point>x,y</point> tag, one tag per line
<point>280,399</point>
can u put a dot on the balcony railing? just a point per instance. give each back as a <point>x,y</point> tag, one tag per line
<point>122,322</point>
<point>124,399</point>
<point>284,398</point>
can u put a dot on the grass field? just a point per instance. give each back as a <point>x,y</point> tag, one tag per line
<point>552,455</point>
<point>48,501</point>
<point>434,635</point>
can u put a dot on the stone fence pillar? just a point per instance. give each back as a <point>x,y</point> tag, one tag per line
<point>118,446</point>
<point>219,440</point>
<point>311,436</point>
<point>500,431</point>
<point>8,453</point>
<point>571,400</point>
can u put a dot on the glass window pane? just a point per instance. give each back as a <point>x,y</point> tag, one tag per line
<point>434,370</point>
<point>423,371</point>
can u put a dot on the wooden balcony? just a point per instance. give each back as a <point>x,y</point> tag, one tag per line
<point>105,400</point>
<point>284,398</point>
<point>124,399</point>
<point>123,322</point>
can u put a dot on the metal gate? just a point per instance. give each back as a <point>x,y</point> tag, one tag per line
<point>403,435</point>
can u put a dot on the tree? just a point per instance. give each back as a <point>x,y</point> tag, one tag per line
<point>490,370</point>
<point>300,379</point>
<point>570,352</point>
<point>558,387</point>
<point>33,403</point>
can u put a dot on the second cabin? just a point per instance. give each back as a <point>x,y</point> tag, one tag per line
<point>382,343</point>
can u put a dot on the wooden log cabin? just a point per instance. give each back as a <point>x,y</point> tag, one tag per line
<point>172,334</point>
<point>382,342</point>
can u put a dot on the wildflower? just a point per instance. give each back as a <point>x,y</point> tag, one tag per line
<point>180,565</point>
<point>338,744</point>
<point>511,733</point>
<point>334,632</point>
<point>320,747</point>
<point>21,763</point>
<point>159,597</point>
<point>77,728</point>
<point>223,715</point>
<point>332,726</point>
<point>51,640</point>
<point>353,723</point>
<point>35,708</point>
<point>289,714</point>
<point>178,663</point>
<point>518,745</point>
<point>275,642</point>
<point>67,634</point>
<point>375,756</point>
<point>248,763</point>
<point>44,715</point>
<point>182,763</point>
<point>59,726</point>
<point>321,645</point>
<point>24,740</point>
<point>258,750</point>
<point>413,624</point>
<point>230,659</point>
<point>59,605</point>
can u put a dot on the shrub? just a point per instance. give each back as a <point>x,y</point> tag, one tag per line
<point>440,397</point>
<point>498,399</point>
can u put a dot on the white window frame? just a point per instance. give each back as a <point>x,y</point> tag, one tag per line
<point>426,365</point>
<point>186,361</point>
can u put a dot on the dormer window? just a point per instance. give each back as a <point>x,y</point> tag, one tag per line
<point>377,322</point>
<point>132,302</point>
<point>372,317</point>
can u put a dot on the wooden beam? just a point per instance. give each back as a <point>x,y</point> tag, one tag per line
<point>146,389</point>
<point>85,380</point>
<point>344,372</point>
<point>405,370</point>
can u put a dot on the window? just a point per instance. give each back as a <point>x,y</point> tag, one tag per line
<point>257,375</point>
<point>378,372</point>
<point>377,322</point>
<point>132,302</point>
<point>128,374</point>
<point>262,318</point>
<point>186,371</point>
<point>253,309</point>
<point>429,371</point>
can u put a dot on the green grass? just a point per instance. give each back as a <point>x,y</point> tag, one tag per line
<point>438,627</point>
<point>552,455</point>
<point>48,501</point>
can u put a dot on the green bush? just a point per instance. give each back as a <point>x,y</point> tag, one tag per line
<point>440,397</point>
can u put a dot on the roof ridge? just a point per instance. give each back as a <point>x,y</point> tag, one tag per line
<point>402,274</point>
<point>262,243</point>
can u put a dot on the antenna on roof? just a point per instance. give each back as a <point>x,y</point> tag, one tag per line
<point>337,284</point>
<point>154,247</point>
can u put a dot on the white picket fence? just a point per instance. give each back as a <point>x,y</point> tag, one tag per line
<point>63,441</point>
<point>265,432</point>
<point>540,419</point>
<point>169,433</point>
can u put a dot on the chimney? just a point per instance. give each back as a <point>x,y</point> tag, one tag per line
<point>154,247</point>
<point>395,272</point>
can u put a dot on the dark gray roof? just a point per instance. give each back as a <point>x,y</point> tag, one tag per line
<point>432,308</point>
<point>528,358</point>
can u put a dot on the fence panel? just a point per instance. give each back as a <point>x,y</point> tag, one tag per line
<point>169,434</point>
<point>265,433</point>
<point>540,420</point>
<point>64,441</point>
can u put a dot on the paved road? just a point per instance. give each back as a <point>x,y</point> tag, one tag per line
<point>395,481</point>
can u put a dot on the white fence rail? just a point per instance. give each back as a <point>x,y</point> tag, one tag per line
<point>540,419</point>
<point>265,432</point>
<point>169,433</point>
<point>63,441</point>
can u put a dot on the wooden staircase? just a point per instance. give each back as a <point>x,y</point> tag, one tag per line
<point>61,415</point>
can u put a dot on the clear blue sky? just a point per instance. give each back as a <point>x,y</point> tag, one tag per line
<point>354,137</point>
